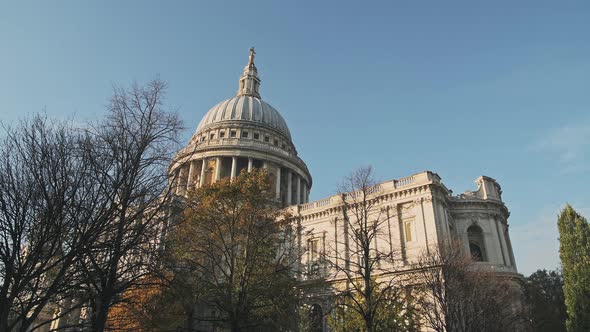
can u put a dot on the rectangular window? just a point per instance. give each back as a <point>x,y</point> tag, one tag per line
<point>256,136</point>
<point>266,139</point>
<point>212,136</point>
<point>408,231</point>
<point>232,133</point>
<point>314,247</point>
<point>221,134</point>
<point>244,134</point>
<point>276,142</point>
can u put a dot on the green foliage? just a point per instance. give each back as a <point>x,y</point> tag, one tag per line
<point>395,312</point>
<point>544,292</point>
<point>232,255</point>
<point>574,251</point>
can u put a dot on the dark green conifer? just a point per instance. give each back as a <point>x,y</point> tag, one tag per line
<point>574,251</point>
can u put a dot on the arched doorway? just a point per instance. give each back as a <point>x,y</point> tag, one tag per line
<point>476,244</point>
<point>316,318</point>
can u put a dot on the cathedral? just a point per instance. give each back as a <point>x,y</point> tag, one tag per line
<point>245,132</point>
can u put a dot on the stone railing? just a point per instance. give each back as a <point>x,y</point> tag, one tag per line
<point>324,202</point>
<point>307,206</point>
<point>416,179</point>
<point>241,142</point>
<point>489,267</point>
<point>321,203</point>
<point>403,182</point>
<point>372,190</point>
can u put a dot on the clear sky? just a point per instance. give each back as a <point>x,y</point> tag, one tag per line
<point>499,88</point>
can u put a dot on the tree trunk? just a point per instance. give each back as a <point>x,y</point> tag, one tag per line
<point>6,301</point>
<point>235,326</point>
<point>99,315</point>
<point>4,316</point>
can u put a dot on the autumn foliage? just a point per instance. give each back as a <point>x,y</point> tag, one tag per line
<point>136,310</point>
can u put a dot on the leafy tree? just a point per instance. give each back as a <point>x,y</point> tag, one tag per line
<point>138,308</point>
<point>234,254</point>
<point>574,251</point>
<point>544,292</point>
<point>391,315</point>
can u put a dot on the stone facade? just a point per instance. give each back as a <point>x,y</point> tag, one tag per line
<point>421,214</point>
<point>244,132</point>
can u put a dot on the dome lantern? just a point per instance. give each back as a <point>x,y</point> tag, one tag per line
<point>249,83</point>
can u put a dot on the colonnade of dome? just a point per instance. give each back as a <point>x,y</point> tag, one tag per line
<point>290,186</point>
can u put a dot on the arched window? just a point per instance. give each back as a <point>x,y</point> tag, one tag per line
<point>316,318</point>
<point>476,244</point>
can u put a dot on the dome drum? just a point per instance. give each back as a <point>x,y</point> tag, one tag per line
<point>293,163</point>
<point>291,184</point>
<point>242,133</point>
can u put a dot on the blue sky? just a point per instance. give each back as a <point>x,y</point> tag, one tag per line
<point>500,88</point>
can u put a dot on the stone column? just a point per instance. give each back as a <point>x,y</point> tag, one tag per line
<point>177,181</point>
<point>191,174</point>
<point>217,169</point>
<point>265,164</point>
<point>402,235</point>
<point>181,188</point>
<point>503,246</point>
<point>304,189</point>
<point>278,182</point>
<point>234,167</point>
<point>250,163</point>
<point>298,192</point>
<point>289,187</point>
<point>203,167</point>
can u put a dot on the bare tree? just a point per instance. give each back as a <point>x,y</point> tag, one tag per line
<point>370,284</point>
<point>132,150</point>
<point>455,294</point>
<point>50,205</point>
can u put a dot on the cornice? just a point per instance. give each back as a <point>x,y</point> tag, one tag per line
<point>479,209</point>
<point>398,196</point>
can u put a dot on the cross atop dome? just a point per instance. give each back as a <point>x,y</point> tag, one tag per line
<point>251,57</point>
<point>249,83</point>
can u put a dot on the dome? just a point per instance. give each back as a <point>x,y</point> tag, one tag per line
<point>245,109</point>
<point>241,134</point>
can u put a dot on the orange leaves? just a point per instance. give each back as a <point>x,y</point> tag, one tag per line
<point>136,309</point>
